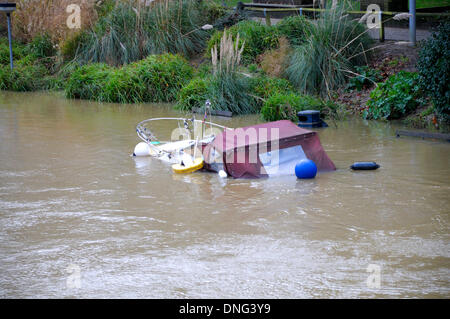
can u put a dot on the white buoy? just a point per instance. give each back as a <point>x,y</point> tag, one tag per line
<point>223,174</point>
<point>142,149</point>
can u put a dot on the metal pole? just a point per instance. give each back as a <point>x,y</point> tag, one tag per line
<point>412,22</point>
<point>382,33</point>
<point>8,16</point>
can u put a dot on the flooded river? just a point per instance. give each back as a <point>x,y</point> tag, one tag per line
<point>81,218</point>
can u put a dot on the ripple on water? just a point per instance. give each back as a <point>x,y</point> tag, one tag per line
<point>70,194</point>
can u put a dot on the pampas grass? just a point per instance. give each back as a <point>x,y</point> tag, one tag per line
<point>333,47</point>
<point>228,58</point>
<point>132,30</point>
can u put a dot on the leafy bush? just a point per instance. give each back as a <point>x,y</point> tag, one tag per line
<point>28,74</point>
<point>158,78</point>
<point>194,94</point>
<point>366,78</point>
<point>123,86</point>
<point>231,18</point>
<point>229,92</point>
<point>103,8</point>
<point>396,97</point>
<point>22,77</point>
<point>70,45</point>
<point>262,87</point>
<point>163,76</point>
<point>250,93</point>
<point>257,37</point>
<point>88,81</point>
<point>294,28</point>
<point>253,68</point>
<point>225,87</point>
<point>126,34</point>
<point>286,106</point>
<point>333,46</point>
<point>226,92</point>
<point>213,11</point>
<point>18,51</point>
<point>434,70</point>
<point>41,46</point>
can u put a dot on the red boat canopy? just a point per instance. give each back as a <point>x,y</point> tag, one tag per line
<point>267,149</point>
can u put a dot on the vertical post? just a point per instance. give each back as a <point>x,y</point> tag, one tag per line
<point>8,16</point>
<point>412,22</point>
<point>239,6</point>
<point>382,35</point>
<point>267,15</point>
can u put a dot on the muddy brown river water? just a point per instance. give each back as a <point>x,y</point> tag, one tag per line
<point>81,218</point>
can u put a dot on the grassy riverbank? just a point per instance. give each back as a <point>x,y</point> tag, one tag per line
<point>185,52</point>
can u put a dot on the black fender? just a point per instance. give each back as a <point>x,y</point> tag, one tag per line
<point>364,166</point>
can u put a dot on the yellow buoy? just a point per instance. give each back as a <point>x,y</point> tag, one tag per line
<point>182,169</point>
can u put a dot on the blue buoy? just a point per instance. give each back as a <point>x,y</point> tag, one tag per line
<point>306,169</point>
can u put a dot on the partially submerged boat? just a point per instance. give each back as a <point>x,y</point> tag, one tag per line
<point>263,150</point>
<point>268,149</point>
<point>181,148</point>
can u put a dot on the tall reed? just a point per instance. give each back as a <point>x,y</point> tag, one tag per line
<point>333,46</point>
<point>228,89</point>
<point>134,29</point>
<point>228,57</point>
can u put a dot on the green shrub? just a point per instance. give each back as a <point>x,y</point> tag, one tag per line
<point>257,37</point>
<point>366,78</point>
<point>88,81</point>
<point>103,8</point>
<point>253,68</point>
<point>41,46</point>
<point>52,82</point>
<point>123,85</point>
<point>194,94</point>
<point>281,106</point>
<point>69,46</point>
<point>26,60</point>
<point>125,34</point>
<point>294,28</point>
<point>31,68</point>
<point>225,91</point>
<point>18,51</point>
<point>262,87</point>
<point>22,77</point>
<point>434,70</point>
<point>230,18</point>
<point>229,92</point>
<point>203,70</point>
<point>396,97</point>
<point>158,78</point>
<point>333,46</point>
<point>163,75</point>
<point>213,11</point>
